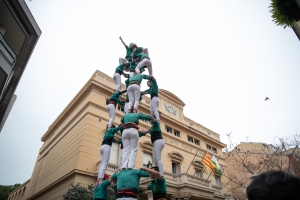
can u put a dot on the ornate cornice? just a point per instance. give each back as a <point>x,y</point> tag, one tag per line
<point>176,156</point>
<point>184,196</point>
<point>146,147</point>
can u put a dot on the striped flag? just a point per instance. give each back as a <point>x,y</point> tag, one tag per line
<point>207,162</point>
<point>217,167</point>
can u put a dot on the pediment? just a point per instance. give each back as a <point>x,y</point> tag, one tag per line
<point>176,156</point>
<point>171,97</point>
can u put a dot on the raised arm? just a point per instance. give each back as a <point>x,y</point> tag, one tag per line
<point>145,117</point>
<point>122,92</point>
<point>122,41</point>
<point>152,172</point>
<point>144,131</point>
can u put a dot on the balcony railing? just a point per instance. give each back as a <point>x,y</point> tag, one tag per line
<point>7,50</point>
<point>171,178</point>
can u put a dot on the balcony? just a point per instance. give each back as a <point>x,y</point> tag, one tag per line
<point>7,51</point>
<point>180,185</point>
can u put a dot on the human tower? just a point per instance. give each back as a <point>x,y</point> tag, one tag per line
<point>125,181</point>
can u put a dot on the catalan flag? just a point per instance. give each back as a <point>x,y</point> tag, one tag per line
<point>207,162</point>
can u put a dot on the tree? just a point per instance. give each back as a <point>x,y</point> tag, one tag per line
<point>78,191</point>
<point>249,159</point>
<point>284,12</point>
<point>6,189</point>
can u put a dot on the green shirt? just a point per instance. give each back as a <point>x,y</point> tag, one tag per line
<point>141,56</point>
<point>154,127</point>
<point>158,186</point>
<point>128,53</point>
<point>121,103</point>
<point>115,97</point>
<point>100,190</point>
<point>120,68</point>
<point>129,178</point>
<point>137,51</point>
<point>134,117</point>
<point>139,78</point>
<point>153,88</point>
<point>110,133</point>
<point>132,65</point>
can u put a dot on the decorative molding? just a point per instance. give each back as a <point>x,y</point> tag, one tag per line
<point>146,147</point>
<point>171,97</point>
<point>176,156</point>
<point>149,193</point>
<point>198,165</point>
<point>170,109</point>
<point>184,196</point>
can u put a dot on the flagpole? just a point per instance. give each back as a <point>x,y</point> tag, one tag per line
<point>210,171</point>
<point>193,160</point>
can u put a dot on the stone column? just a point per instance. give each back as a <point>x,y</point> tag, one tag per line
<point>149,194</point>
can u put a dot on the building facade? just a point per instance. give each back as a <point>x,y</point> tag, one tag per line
<point>19,34</point>
<point>70,152</point>
<point>249,159</point>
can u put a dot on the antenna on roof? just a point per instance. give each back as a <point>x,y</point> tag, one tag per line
<point>230,141</point>
<point>247,138</point>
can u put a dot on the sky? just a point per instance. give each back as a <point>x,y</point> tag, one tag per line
<point>221,58</point>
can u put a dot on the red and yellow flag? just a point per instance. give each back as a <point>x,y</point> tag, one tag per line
<point>207,162</point>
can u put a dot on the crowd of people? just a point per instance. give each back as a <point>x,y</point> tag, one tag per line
<point>125,182</point>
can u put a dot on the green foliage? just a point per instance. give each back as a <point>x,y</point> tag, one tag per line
<point>280,14</point>
<point>6,189</point>
<point>78,191</point>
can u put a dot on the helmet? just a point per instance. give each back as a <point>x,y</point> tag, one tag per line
<point>132,45</point>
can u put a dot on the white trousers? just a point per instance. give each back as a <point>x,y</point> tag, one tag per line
<point>126,108</point>
<point>121,151</point>
<point>117,79</point>
<point>105,154</point>
<point>153,107</point>
<point>121,61</point>
<point>111,109</point>
<point>158,146</point>
<point>134,93</point>
<point>145,62</point>
<point>130,138</point>
<point>131,74</point>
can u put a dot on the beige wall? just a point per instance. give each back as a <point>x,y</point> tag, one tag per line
<point>70,152</point>
<point>248,159</point>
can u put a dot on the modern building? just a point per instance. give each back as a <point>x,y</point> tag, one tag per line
<point>19,34</point>
<point>70,152</point>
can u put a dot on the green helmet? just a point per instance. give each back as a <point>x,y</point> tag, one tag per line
<point>132,45</point>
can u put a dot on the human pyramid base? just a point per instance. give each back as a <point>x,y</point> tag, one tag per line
<point>125,182</point>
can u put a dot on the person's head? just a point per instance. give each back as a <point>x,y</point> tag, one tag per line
<point>106,177</point>
<point>274,185</point>
<point>155,168</point>
<point>132,46</point>
<point>136,59</point>
<point>113,126</point>
<point>149,83</point>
